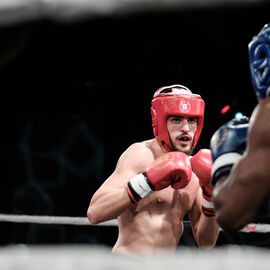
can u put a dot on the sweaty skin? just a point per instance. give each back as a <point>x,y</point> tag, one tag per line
<point>155,222</point>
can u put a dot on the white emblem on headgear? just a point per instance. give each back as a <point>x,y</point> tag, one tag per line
<point>184,107</point>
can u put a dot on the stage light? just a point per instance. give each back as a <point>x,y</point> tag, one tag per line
<point>238,115</point>
<point>225,109</point>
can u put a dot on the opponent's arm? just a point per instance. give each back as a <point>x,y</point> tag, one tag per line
<point>237,196</point>
<point>202,216</point>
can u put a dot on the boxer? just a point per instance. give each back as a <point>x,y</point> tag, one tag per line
<point>241,151</point>
<point>157,182</point>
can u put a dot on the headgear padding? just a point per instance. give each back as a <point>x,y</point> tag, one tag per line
<point>175,100</point>
<point>259,62</point>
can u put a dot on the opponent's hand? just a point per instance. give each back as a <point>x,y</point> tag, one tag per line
<point>172,168</point>
<point>202,165</point>
<point>227,145</point>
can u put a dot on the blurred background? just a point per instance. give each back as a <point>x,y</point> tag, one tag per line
<point>76,90</point>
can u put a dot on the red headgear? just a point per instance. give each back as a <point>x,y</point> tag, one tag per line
<point>175,100</point>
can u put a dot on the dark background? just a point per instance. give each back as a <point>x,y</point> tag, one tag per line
<point>76,95</point>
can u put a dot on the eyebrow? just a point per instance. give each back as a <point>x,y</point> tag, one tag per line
<point>181,116</point>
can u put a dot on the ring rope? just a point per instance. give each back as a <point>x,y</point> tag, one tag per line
<point>53,220</point>
<point>83,221</point>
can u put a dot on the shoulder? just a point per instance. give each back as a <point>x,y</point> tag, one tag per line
<point>260,125</point>
<point>139,148</point>
<point>261,111</point>
<point>138,156</point>
<point>258,147</point>
<point>265,104</point>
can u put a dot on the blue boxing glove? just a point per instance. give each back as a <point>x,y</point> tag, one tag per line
<point>259,62</point>
<point>227,146</point>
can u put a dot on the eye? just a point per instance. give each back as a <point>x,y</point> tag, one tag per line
<point>176,119</point>
<point>193,120</point>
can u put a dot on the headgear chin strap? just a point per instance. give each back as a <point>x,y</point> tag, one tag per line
<point>259,62</point>
<point>175,100</point>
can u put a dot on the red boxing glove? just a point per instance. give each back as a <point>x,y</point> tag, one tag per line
<point>172,168</point>
<point>202,164</point>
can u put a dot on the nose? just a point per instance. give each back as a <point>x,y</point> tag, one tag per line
<point>185,126</point>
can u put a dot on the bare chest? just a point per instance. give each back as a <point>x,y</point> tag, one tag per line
<point>170,200</point>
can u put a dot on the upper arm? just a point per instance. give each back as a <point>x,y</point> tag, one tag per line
<point>111,199</point>
<point>238,198</point>
<point>258,146</point>
<point>253,170</point>
<point>132,162</point>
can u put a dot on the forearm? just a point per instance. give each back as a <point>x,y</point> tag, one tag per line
<point>236,191</point>
<point>207,232</point>
<point>230,215</point>
<point>222,203</point>
<point>107,205</point>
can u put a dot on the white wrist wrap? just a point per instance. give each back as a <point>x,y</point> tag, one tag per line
<point>224,160</point>
<point>140,185</point>
<point>206,203</point>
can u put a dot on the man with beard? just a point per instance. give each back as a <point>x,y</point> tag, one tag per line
<point>157,182</point>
